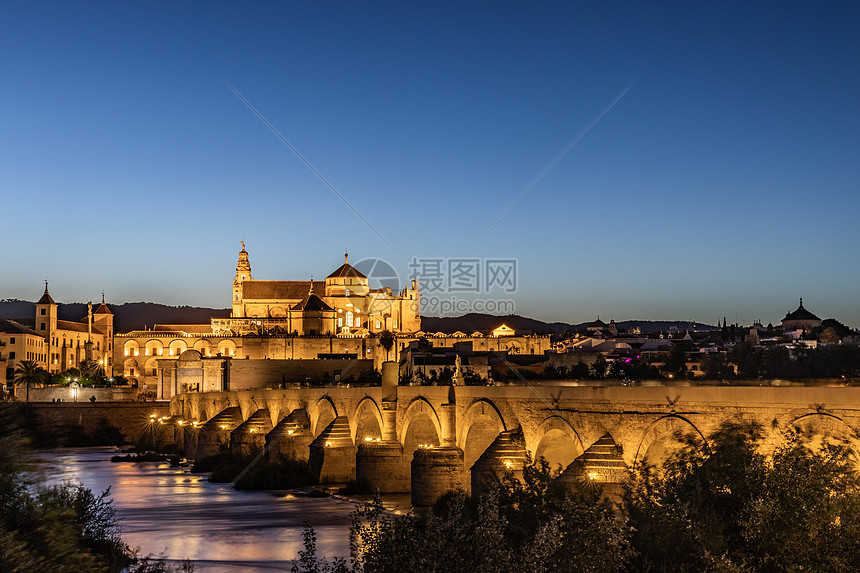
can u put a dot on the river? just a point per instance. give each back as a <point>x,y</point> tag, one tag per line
<point>164,509</point>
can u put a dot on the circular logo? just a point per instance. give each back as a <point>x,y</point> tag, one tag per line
<point>379,273</point>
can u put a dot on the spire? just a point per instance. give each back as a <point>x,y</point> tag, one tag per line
<point>346,258</point>
<point>243,266</point>
<point>103,297</point>
<point>46,297</point>
<point>801,301</point>
<point>311,289</point>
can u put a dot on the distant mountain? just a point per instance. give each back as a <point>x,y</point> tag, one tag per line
<point>140,315</point>
<point>127,316</point>
<point>485,322</point>
<point>471,322</point>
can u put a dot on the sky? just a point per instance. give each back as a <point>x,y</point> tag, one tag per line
<point>711,166</point>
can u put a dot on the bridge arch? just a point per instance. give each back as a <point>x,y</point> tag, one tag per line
<point>481,424</point>
<point>321,413</point>
<point>420,426</point>
<point>557,441</point>
<point>656,443</point>
<point>822,427</point>
<point>366,421</point>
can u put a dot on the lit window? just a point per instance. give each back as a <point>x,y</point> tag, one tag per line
<point>347,292</point>
<point>349,318</point>
<point>357,322</point>
<point>378,324</point>
<point>395,323</point>
<point>340,321</point>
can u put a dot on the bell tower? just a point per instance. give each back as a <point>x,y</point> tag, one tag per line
<point>46,314</point>
<point>243,273</point>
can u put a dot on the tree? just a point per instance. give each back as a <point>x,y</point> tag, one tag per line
<point>748,359</point>
<point>424,345</point>
<point>724,506</point>
<point>386,341</point>
<point>28,372</point>
<point>579,371</point>
<point>715,367</point>
<point>60,528</point>
<point>599,367</point>
<point>832,328</point>
<point>676,362</point>
<point>92,370</point>
<point>528,525</point>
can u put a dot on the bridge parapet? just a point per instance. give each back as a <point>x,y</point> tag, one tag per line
<point>558,423</point>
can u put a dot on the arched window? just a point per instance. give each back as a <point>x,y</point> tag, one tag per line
<point>349,318</point>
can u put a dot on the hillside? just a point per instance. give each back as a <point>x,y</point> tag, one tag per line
<point>140,315</point>
<point>484,322</point>
<point>127,316</point>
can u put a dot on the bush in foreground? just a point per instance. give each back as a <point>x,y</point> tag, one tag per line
<point>719,506</point>
<point>61,528</point>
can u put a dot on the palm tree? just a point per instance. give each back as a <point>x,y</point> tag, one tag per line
<point>386,341</point>
<point>424,345</point>
<point>28,372</point>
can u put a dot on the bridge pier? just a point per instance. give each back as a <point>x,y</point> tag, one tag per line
<point>291,438</point>
<point>381,463</point>
<point>250,436</point>
<point>601,465</point>
<point>187,441</point>
<point>505,455</point>
<point>332,453</point>
<point>215,434</point>
<point>436,471</point>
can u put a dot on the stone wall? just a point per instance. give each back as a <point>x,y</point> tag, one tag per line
<point>249,374</point>
<point>132,418</point>
<point>67,394</point>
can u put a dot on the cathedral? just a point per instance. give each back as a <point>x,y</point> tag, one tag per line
<point>342,304</point>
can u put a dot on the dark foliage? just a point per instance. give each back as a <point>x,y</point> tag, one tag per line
<point>517,526</point>
<point>726,507</point>
<point>60,528</point>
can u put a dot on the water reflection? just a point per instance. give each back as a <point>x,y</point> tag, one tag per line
<point>166,510</point>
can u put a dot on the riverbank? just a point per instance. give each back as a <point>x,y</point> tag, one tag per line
<point>167,510</point>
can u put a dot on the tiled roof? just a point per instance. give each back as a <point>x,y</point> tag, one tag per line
<point>279,290</point>
<point>312,302</point>
<point>190,328</point>
<point>76,326</point>
<point>12,327</point>
<point>46,298</point>
<point>346,270</point>
<point>102,309</point>
<point>800,314</point>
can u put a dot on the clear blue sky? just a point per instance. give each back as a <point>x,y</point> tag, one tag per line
<point>723,183</point>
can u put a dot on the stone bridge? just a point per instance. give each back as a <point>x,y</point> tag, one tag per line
<point>429,440</point>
